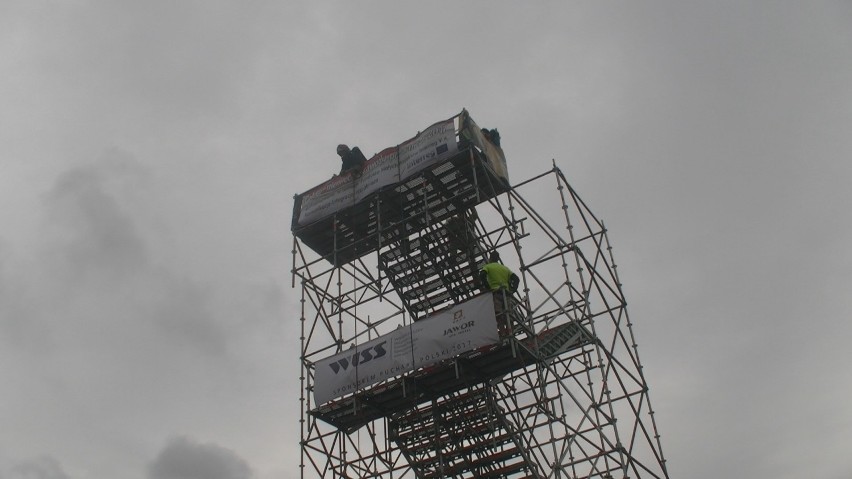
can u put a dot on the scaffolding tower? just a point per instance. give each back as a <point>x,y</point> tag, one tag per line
<point>560,394</point>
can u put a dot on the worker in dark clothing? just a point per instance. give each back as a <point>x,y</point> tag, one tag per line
<point>351,159</point>
<point>491,135</point>
<point>461,232</point>
<point>499,279</point>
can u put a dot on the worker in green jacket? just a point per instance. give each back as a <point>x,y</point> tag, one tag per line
<point>498,279</point>
<point>495,276</point>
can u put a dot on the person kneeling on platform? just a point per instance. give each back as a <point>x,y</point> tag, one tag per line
<point>351,159</point>
<point>499,279</point>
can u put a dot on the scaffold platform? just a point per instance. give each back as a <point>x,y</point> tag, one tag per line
<point>398,211</point>
<point>470,368</point>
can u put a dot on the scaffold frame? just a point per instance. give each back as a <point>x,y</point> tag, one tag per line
<point>563,395</point>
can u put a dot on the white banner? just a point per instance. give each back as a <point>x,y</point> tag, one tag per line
<point>463,327</point>
<point>333,195</point>
<point>493,154</point>
<point>388,167</point>
<point>434,143</point>
<point>381,170</point>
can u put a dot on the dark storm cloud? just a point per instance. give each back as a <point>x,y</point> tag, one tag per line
<point>184,458</point>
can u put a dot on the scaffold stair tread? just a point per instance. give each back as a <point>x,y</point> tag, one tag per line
<point>553,341</point>
<point>451,454</point>
<point>453,446</point>
<point>427,410</point>
<point>479,465</point>
<point>477,438</point>
<point>432,274</point>
<point>471,431</point>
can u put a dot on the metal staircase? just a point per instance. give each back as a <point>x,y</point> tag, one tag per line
<point>437,268</point>
<point>462,435</point>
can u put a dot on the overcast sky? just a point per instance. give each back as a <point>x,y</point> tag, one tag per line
<point>150,150</point>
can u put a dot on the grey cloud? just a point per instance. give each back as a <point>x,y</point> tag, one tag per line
<point>712,139</point>
<point>44,467</point>
<point>96,249</point>
<point>184,458</point>
<point>88,247</point>
<point>104,335</point>
<point>93,232</point>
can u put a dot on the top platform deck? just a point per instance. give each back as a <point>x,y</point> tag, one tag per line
<point>444,170</point>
